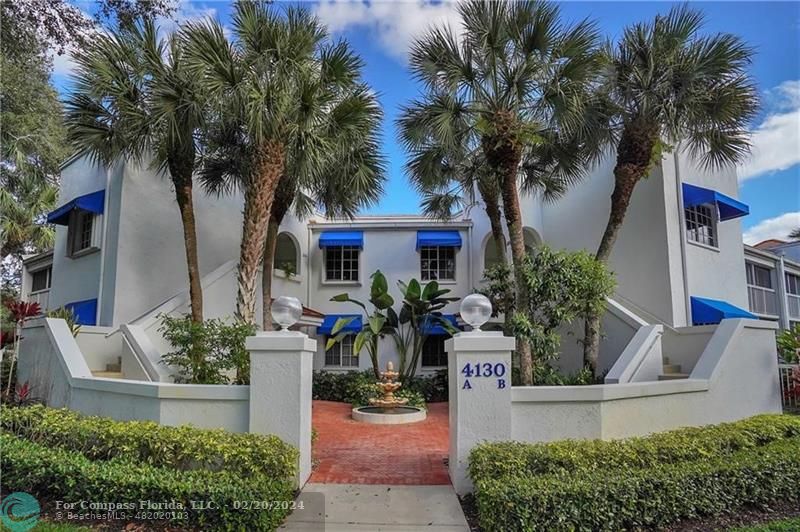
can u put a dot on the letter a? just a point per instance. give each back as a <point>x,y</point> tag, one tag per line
<point>467,385</point>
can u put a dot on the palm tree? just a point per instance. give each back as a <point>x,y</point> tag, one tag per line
<point>513,90</point>
<point>276,64</point>
<point>22,229</point>
<point>795,234</point>
<point>134,100</point>
<point>667,85</point>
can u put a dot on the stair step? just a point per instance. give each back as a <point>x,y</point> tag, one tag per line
<point>108,374</point>
<point>666,360</point>
<point>672,368</point>
<point>673,376</point>
<point>116,367</point>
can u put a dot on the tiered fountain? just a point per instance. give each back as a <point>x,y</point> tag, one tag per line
<point>389,410</point>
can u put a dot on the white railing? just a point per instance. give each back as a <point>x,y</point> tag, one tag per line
<point>789,396</point>
<point>793,302</point>
<point>762,300</point>
<point>42,297</point>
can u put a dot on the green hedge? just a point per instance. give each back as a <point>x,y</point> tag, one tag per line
<point>573,456</point>
<point>44,471</point>
<point>653,497</point>
<point>355,387</point>
<point>182,448</point>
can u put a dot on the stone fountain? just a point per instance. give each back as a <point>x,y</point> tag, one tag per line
<point>389,410</point>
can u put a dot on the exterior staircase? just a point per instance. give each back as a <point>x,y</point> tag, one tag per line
<point>112,371</point>
<point>671,372</point>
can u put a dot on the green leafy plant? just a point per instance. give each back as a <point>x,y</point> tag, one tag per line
<point>68,315</point>
<point>562,286</point>
<point>789,345</point>
<point>288,269</point>
<point>348,386</point>
<point>206,352</point>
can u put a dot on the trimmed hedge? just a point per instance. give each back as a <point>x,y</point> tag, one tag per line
<point>42,470</point>
<point>650,497</point>
<point>687,444</point>
<point>355,387</point>
<point>182,448</point>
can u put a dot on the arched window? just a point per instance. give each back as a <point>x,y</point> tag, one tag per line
<point>490,255</point>
<point>286,255</point>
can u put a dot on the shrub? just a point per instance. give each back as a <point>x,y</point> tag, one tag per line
<point>355,387</point>
<point>631,498</point>
<point>493,460</point>
<point>38,469</point>
<point>789,345</point>
<point>182,448</point>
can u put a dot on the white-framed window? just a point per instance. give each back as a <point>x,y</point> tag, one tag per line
<point>793,284</point>
<point>760,290</point>
<point>701,224</point>
<point>341,353</point>
<point>437,263</point>
<point>758,275</point>
<point>341,263</point>
<point>41,280</point>
<point>81,233</point>
<point>433,352</point>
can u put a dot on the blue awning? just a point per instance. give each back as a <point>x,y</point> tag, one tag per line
<point>433,327</point>
<point>85,311</point>
<point>729,208</point>
<point>88,202</point>
<point>326,328</point>
<point>709,311</point>
<point>342,238</point>
<point>449,239</point>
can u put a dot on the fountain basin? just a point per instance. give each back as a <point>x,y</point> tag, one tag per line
<point>389,416</point>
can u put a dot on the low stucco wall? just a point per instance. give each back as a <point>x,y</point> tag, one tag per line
<point>735,377</point>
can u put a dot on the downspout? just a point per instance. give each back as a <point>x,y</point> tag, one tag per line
<point>783,303</point>
<point>469,259</point>
<point>682,232</point>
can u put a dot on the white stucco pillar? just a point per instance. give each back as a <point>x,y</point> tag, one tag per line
<point>281,366</point>
<point>479,371</point>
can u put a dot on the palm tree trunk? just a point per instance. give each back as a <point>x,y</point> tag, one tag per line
<point>496,224</point>
<point>266,272</point>
<point>634,159</point>
<point>267,170</point>
<point>184,197</point>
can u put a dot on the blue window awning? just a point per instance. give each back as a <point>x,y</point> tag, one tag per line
<point>433,327</point>
<point>88,202</point>
<point>342,238</point>
<point>729,208</point>
<point>709,311</point>
<point>449,239</point>
<point>326,328</point>
<point>85,311</point>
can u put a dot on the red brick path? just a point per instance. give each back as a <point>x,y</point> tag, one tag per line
<point>350,452</point>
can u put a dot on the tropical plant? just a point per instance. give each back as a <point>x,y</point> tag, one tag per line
<point>68,315</point>
<point>788,342</point>
<point>421,310</point>
<point>669,86</point>
<point>19,311</point>
<point>135,100</point>
<point>512,89</point>
<point>794,234</point>
<point>562,286</point>
<point>23,202</point>
<point>272,87</point>
<point>376,324</point>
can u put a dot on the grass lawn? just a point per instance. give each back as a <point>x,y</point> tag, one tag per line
<point>46,526</point>
<point>784,525</point>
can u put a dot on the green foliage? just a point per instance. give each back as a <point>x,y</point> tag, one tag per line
<point>68,315</point>
<point>784,525</point>
<point>40,469</point>
<point>789,345</point>
<point>640,482</point>
<point>183,448</point>
<point>562,286</point>
<point>547,375</point>
<point>205,353</point>
<point>354,387</point>
<point>362,392</point>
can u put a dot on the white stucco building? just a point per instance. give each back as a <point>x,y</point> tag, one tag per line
<point>118,260</point>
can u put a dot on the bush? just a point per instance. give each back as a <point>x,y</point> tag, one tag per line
<point>639,482</point>
<point>356,387</point>
<point>577,456</point>
<point>182,448</point>
<point>788,342</point>
<point>38,469</point>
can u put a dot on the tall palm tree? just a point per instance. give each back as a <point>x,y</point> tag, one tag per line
<point>668,85</point>
<point>278,62</point>
<point>23,203</point>
<point>513,89</point>
<point>135,100</point>
<point>794,234</point>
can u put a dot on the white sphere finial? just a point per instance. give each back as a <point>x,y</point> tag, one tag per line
<point>286,311</point>
<point>476,309</point>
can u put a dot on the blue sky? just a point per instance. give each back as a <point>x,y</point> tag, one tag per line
<point>770,182</point>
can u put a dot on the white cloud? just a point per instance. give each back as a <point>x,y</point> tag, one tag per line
<point>776,141</point>
<point>393,24</point>
<point>778,227</point>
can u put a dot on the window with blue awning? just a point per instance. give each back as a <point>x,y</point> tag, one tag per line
<point>341,238</point>
<point>93,202</point>
<point>433,327</point>
<point>451,239</point>
<point>354,326</point>
<point>728,207</point>
<point>707,311</point>
<point>85,311</point>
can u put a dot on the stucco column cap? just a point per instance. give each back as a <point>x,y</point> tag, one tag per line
<point>280,341</point>
<point>480,341</point>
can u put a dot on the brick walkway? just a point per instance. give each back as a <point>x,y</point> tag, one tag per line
<point>350,452</point>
